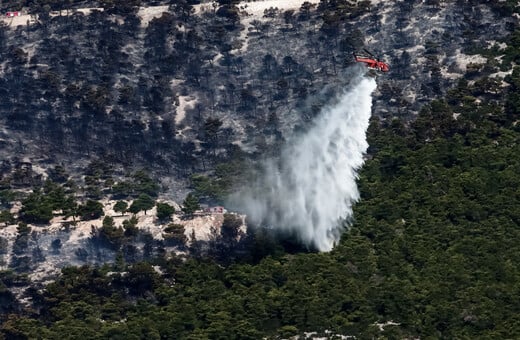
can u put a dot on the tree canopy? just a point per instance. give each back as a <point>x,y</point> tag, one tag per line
<point>142,203</point>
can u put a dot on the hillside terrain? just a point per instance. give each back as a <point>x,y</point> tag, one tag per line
<point>179,89</point>
<point>126,125</point>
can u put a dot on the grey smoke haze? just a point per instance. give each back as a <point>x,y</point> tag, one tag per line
<point>310,190</point>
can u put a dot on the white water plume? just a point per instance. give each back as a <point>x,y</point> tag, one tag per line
<point>310,190</point>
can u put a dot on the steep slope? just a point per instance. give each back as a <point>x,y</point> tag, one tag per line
<point>140,88</point>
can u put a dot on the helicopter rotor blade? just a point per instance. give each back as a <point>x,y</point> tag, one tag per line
<point>367,51</point>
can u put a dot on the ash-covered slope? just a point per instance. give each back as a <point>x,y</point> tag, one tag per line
<point>431,45</point>
<point>175,87</point>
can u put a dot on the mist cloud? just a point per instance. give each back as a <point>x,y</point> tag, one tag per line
<point>310,190</point>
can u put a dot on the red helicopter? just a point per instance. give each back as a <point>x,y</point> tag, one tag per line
<point>372,62</point>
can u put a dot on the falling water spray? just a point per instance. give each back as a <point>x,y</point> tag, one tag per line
<point>310,190</point>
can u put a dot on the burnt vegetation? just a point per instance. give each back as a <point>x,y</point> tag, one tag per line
<point>110,85</point>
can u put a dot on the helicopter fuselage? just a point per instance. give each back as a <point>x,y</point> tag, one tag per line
<point>373,63</point>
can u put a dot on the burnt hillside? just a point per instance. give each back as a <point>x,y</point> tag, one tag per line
<point>180,87</point>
